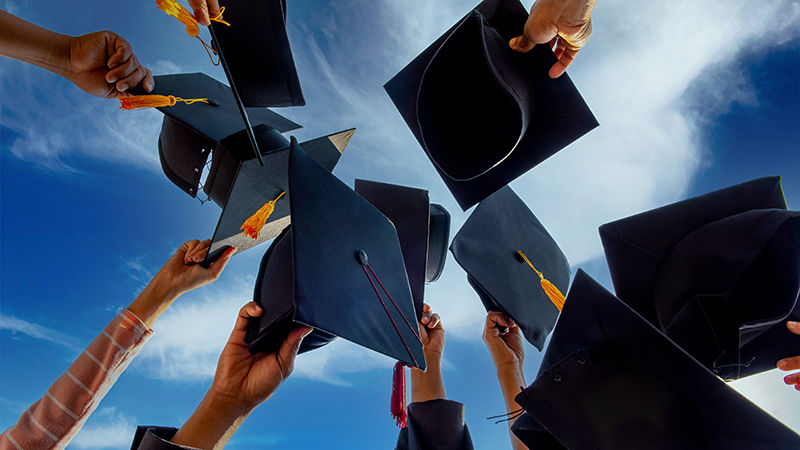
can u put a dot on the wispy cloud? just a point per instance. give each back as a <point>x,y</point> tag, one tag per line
<point>19,326</point>
<point>107,428</point>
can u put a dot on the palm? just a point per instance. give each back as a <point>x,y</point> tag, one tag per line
<point>249,377</point>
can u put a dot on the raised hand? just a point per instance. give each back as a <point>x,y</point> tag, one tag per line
<point>792,363</point>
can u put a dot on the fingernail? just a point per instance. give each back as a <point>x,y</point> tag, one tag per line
<point>787,380</point>
<point>148,85</point>
<point>782,363</point>
<point>123,87</point>
<point>258,308</point>
<point>112,79</point>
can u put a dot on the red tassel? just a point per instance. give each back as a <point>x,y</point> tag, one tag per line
<point>398,407</point>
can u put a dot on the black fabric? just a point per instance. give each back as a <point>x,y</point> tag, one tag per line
<point>486,247</point>
<point>247,185</point>
<point>438,241</point>
<point>156,438</point>
<point>534,435</point>
<point>716,273</point>
<point>435,425</point>
<point>610,380</point>
<point>256,49</point>
<point>329,289</point>
<point>409,211</point>
<point>483,113</point>
<point>190,132</point>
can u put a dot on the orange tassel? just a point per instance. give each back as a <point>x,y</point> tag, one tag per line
<point>176,10</point>
<point>550,289</point>
<point>154,101</point>
<point>253,225</point>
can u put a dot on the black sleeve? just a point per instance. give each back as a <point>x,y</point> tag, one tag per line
<point>156,438</point>
<point>435,425</point>
<point>528,430</point>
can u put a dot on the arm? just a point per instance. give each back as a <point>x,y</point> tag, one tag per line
<point>242,382</point>
<point>100,63</point>
<point>565,24</point>
<point>508,355</point>
<point>59,415</point>
<point>792,363</point>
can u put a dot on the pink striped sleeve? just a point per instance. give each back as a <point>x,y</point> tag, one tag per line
<point>54,419</point>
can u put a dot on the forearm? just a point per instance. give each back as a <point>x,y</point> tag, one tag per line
<point>427,385</point>
<point>24,41</point>
<point>153,301</point>
<point>511,379</point>
<point>211,425</point>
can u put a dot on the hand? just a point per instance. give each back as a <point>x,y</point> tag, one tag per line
<point>565,24</point>
<point>431,332</point>
<point>103,64</point>
<point>182,272</point>
<point>245,379</point>
<point>242,382</point>
<point>429,385</point>
<point>792,363</point>
<point>202,8</point>
<point>506,349</point>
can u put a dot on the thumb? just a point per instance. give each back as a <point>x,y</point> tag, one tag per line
<point>288,351</point>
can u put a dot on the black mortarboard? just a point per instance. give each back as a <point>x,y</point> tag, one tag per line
<point>438,240</point>
<point>483,113</point>
<point>610,380</point>
<point>409,210</point>
<point>719,274</point>
<point>190,132</point>
<point>338,268</point>
<point>254,51</point>
<point>242,186</point>
<point>487,248</point>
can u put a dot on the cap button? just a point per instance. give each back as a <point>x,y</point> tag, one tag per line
<point>557,378</point>
<point>361,256</point>
<point>581,360</point>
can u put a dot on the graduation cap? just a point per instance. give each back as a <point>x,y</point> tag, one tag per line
<point>718,273</point>
<point>513,264</point>
<point>611,380</point>
<point>190,132</point>
<point>417,223</point>
<point>338,268</point>
<point>254,51</point>
<point>483,113</point>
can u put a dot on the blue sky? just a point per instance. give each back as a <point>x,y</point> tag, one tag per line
<point>705,96</point>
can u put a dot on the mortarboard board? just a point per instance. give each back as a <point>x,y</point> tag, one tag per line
<point>338,268</point>
<point>718,273</point>
<point>254,51</point>
<point>487,248</point>
<point>483,113</point>
<point>190,132</point>
<point>409,210</point>
<point>610,380</point>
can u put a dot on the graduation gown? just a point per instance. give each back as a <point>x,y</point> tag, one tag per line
<point>435,425</point>
<point>156,438</point>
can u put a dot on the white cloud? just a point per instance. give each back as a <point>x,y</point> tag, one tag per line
<point>36,331</point>
<point>107,428</point>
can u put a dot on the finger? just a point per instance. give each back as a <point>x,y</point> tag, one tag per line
<point>553,42</point>
<point>426,317</point>
<point>218,265</point>
<point>134,79</point>
<point>434,321</point>
<point>197,252</point>
<point>149,82</point>
<point>426,307</point>
<point>563,62</point>
<point>247,312</point>
<point>122,70</point>
<point>200,11</point>
<point>289,348</point>
<point>538,30</point>
<point>789,363</point>
<point>122,51</point>
<point>188,248</point>
<point>213,7</point>
<point>793,326</point>
<point>792,379</point>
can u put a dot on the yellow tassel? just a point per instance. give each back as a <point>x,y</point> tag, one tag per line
<point>253,225</point>
<point>550,289</point>
<point>176,10</point>
<point>154,101</point>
